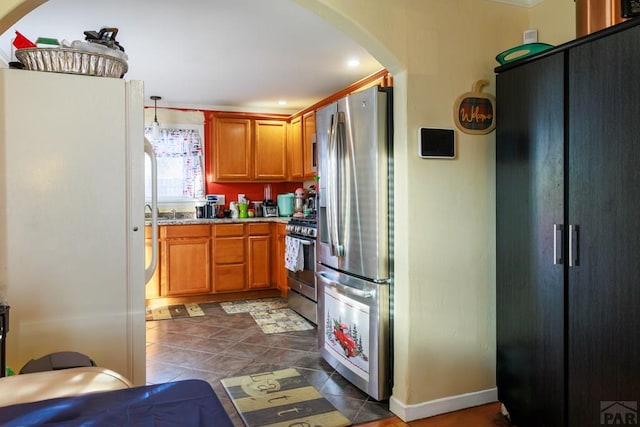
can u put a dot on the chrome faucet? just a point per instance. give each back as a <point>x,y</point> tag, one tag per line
<point>150,210</point>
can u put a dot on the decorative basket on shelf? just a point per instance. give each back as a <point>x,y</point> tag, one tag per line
<point>72,61</point>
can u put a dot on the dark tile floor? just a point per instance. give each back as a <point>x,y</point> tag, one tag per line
<point>221,345</point>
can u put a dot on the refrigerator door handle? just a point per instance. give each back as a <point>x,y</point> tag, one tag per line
<point>332,186</point>
<point>148,272</point>
<point>344,289</point>
<point>558,229</point>
<point>341,188</point>
<point>574,245</point>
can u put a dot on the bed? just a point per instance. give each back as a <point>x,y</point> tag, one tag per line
<point>188,403</point>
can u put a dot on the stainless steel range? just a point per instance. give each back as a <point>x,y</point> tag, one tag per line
<point>303,297</point>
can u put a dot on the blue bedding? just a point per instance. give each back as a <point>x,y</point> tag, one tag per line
<point>188,403</point>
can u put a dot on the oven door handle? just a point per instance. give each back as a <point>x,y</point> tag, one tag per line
<point>303,242</point>
<point>344,289</point>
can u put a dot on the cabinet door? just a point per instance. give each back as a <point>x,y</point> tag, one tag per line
<point>281,270</point>
<point>231,158</point>
<point>604,202</point>
<point>270,150</point>
<point>309,153</point>
<point>186,266</point>
<point>295,149</point>
<point>530,291</point>
<point>259,271</point>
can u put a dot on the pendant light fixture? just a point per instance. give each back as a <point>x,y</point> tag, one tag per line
<point>155,126</point>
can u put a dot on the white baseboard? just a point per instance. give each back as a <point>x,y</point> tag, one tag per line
<point>443,405</point>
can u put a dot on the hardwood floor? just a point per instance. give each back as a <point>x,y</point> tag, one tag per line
<point>480,416</point>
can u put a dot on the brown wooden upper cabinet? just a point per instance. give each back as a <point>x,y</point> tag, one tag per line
<point>301,139</point>
<point>296,170</point>
<point>309,153</point>
<point>270,150</point>
<point>247,148</point>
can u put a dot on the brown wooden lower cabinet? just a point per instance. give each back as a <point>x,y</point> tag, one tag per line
<point>186,255</point>
<point>207,259</point>
<point>280,272</point>
<point>259,255</point>
<point>228,258</point>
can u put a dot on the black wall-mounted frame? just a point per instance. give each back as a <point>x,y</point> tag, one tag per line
<point>436,143</point>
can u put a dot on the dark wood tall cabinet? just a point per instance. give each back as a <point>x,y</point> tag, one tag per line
<point>568,232</point>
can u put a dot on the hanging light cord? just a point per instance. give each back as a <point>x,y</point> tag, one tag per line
<point>155,107</point>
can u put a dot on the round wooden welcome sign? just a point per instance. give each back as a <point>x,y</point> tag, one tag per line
<point>475,112</point>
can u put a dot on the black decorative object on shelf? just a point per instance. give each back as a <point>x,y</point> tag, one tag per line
<point>630,8</point>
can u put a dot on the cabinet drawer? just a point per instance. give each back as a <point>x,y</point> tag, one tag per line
<point>228,230</point>
<point>258,229</point>
<point>177,231</point>
<point>229,278</point>
<point>229,251</point>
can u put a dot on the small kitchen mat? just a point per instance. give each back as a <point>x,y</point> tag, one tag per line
<point>173,311</point>
<point>246,306</point>
<point>280,320</point>
<point>281,398</point>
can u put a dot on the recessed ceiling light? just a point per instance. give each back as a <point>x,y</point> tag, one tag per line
<point>282,102</point>
<point>352,63</point>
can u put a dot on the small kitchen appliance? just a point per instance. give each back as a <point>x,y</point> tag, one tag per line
<point>257,208</point>
<point>211,207</point>
<point>269,207</point>
<point>285,204</point>
<point>300,201</point>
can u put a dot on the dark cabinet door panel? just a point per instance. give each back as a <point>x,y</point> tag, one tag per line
<point>604,202</point>
<point>530,288</point>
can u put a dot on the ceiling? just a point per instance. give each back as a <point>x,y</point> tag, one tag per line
<point>214,54</point>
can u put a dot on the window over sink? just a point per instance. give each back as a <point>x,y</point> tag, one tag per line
<point>180,153</point>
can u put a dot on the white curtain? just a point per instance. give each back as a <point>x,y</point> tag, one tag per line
<point>180,154</point>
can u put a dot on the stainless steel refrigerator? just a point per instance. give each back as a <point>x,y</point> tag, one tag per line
<point>354,262</point>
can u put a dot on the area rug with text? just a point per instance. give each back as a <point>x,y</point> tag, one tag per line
<point>281,398</point>
<point>280,320</point>
<point>173,311</point>
<point>247,306</point>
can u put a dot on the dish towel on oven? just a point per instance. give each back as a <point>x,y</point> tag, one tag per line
<point>293,256</point>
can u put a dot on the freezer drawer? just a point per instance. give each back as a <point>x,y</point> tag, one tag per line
<point>353,330</point>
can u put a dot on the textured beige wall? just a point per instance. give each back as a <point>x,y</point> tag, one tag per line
<point>555,21</point>
<point>445,246</point>
<point>445,209</point>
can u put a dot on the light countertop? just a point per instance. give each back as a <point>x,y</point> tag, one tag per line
<point>189,221</point>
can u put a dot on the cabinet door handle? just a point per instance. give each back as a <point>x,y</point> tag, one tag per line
<point>574,246</point>
<point>558,229</point>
